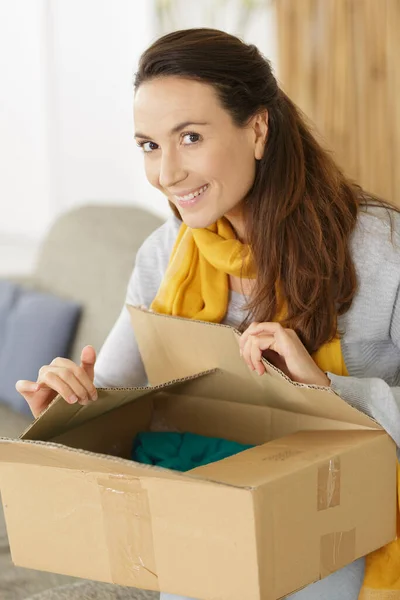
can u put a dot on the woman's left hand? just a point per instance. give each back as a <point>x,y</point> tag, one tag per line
<point>283,348</point>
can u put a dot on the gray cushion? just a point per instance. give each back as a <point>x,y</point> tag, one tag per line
<point>88,255</point>
<point>35,328</point>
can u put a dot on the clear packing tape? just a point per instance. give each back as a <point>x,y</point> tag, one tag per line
<point>130,537</point>
<point>337,549</point>
<point>128,529</point>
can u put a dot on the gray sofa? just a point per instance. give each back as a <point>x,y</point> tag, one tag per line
<point>87,256</point>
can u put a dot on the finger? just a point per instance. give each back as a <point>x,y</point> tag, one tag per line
<point>80,374</point>
<point>247,354</point>
<point>256,355</point>
<point>270,328</point>
<point>266,342</point>
<point>245,335</point>
<point>88,359</point>
<point>73,390</point>
<point>56,383</point>
<point>23,386</point>
<point>252,355</point>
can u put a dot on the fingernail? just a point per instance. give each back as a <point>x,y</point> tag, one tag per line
<point>240,352</point>
<point>94,396</point>
<point>73,399</point>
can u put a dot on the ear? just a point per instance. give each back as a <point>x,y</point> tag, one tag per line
<point>260,129</point>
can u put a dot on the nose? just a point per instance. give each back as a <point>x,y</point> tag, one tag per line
<point>171,169</point>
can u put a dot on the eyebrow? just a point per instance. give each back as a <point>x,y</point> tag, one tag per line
<point>175,129</point>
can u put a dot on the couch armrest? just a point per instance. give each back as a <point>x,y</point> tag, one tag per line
<point>25,280</point>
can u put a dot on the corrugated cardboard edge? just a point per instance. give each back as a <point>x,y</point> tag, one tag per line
<point>238,334</point>
<point>362,418</point>
<point>62,416</point>
<point>99,463</point>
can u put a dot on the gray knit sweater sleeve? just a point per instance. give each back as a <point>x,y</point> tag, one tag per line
<point>374,397</point>
<point>371,340</point>
<point>119,363</point>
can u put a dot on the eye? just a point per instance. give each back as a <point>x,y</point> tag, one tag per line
<point>191,138</point>
<point>147,146</point>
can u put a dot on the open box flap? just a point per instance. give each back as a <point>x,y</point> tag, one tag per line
<point>57,456</point>
<point>173,347</point>
<point>60,416</point>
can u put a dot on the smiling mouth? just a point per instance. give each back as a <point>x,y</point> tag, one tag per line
<point>193,195</point>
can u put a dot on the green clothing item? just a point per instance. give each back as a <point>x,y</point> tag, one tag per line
<point>181,451</point>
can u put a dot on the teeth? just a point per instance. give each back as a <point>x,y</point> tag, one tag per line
<point>193,195</point>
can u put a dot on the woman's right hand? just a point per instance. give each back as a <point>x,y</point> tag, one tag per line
<point>64,377</point>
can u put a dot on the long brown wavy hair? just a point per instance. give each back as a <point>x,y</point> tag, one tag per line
<point>301,209</point>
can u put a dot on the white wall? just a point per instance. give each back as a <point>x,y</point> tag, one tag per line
<point>25,195</point>
<point>256,26</point>
<point>97,44</point>
<point>66,126</point>
<point>66,70</point>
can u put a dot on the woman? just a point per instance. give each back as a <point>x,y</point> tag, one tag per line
<point>282,244</point>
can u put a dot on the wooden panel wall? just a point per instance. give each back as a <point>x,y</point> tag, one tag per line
<point>339,60</point>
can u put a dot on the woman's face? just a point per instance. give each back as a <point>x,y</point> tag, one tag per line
<point>193,152</point>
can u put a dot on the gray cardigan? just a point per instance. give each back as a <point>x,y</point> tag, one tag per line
<point>371,340</point>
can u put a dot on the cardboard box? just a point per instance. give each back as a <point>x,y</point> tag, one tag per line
<point>317,492</point>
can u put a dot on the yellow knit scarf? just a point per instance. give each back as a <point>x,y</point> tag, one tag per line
<point>196,286</point>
